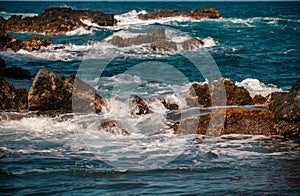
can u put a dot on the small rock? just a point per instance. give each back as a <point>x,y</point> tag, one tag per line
<point>112,126</point>
<point>258,100</point>
<point>138,106</point>
<point>169,106</point>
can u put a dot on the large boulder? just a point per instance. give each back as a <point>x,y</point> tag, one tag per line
<point>50,91</point>
<point>196,14</point>
<point>57,21</point>
<point>201,94</point>
<point>12,99</point>
<point>286,105</point>
<point>231,121</point>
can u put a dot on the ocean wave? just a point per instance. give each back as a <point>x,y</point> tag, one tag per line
<point>7,15</point>
<point>80,31</point>
<point>254,86</point>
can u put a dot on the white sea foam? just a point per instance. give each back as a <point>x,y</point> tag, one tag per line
<point>80,31</point>
<point>90,23</point>
<point>7,15</point>
<point>254,86</point>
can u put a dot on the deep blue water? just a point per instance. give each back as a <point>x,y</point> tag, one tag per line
<point>256,44</point>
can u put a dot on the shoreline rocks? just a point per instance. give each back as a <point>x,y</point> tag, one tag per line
<point>57,20</point>
<point>207,13</point>
<point>8,41</point>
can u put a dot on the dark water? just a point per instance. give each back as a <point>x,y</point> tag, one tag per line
<point>255,44</point>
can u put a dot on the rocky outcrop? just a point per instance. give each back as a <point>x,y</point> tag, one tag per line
<point>233,121</point>
<point>12,99</point>
<point>138,106</point>
<point>199,95</point>
<point>210,13</point>
<point>17,73</point>
<point>50,91</point>
<point>8,41</point>
<point>56,21</point>
<point>158,42</point>
<point>259,100</point>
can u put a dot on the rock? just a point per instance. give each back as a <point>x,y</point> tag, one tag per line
<point>8,41</point>
<point>285,106</point>
<point>112,126</point>
<point>50,91</point>
<point>138,106</point>
<point>169,106</point>
<point>158,42</point>
<point>196,14</point>
<point>138,40</point>
<point>2,69</point>
<point>296,88</point>
<point>57,21</point>
<point>199,95</point>
<point>259,100</point>
<point>17,73</point>
<point>12,99</point>
<point>234,121</point>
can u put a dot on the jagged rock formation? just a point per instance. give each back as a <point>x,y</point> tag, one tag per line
<point>158,42</point>
<point>196,14</point>
<point>50,91</point>
<point>56,20</point>
<point>8,41</point>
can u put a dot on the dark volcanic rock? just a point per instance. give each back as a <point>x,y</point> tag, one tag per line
<point>51,91</point>
<point>17,73</point>
<point>200,94</point>
<point>57,21</point>
<point>2,69</point>
<point>196,14</point>
<point>138,106</point>
<point>296,88</point>
<point>8,41</point>
<point>12,99</point>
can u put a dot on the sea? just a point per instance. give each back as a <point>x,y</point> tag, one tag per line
<point>256,44</point>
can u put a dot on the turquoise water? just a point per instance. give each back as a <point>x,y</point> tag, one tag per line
<point>255,44</point>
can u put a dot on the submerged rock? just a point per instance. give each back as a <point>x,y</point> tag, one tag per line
<point>199,95</point>
<point>50,91</point>
<point>8,41</point>
<point>57,20</point>
<point>196,14</point>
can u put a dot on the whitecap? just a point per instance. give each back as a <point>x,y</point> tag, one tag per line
<point>254,86</point>
<point>79,31</point>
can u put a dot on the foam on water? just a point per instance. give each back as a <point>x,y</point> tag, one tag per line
<point>254,86</point>
<point>80,31</point>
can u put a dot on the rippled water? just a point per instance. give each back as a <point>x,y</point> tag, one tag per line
<point>255,44</point>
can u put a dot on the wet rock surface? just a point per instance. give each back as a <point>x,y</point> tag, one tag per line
<point>112,126</point>
<point>158,42</point>
<point>138,106</point>
<point>56,20</point>
<point>8,41</point>
<point>196,14</point>
<point>50,91</point>
<point>200,95</point>
<point>17,73</point>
